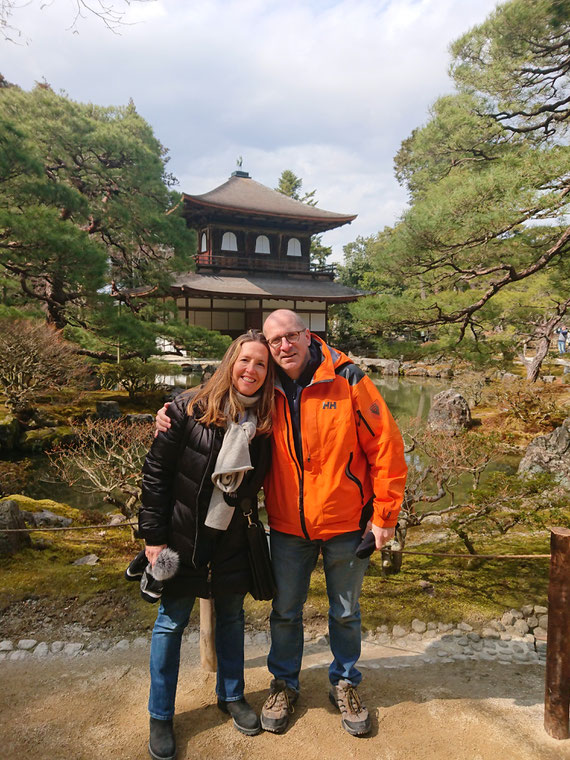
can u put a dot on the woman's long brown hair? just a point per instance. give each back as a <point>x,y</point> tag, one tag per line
<point>217,400</point>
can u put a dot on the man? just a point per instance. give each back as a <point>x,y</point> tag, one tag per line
<point>337,460</point>
<point>337,453</point>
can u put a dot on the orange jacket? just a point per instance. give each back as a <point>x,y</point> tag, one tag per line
<point>352,451</point>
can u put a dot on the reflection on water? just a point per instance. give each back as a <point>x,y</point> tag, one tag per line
<point>42,484</point>
<point>189,380</point>
<point>410,397</point>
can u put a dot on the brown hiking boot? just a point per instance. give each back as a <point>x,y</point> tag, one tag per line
<point>278,706</point>
<point>354,715</point>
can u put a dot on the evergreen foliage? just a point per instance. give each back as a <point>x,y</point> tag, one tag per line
<point>479,256</point>
<point>90,228</point>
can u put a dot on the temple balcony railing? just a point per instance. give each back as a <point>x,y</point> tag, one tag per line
<point>207,261</point>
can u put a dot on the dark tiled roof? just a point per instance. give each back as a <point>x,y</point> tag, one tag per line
<point>245,195</point>
<point>265,287</point>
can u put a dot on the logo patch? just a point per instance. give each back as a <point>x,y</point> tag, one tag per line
<point>329,404</point>
<point>375,409</point>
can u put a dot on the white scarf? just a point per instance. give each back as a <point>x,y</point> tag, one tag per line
<point>232,463</point>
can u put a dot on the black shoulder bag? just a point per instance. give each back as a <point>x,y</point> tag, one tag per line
<point>263,580</point>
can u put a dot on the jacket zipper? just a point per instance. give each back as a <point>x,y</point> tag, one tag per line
<point>298,465</point>
<point>359,413</point>
<point>353,477</point>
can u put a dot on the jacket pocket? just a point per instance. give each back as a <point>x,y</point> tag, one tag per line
<point>351,476</point>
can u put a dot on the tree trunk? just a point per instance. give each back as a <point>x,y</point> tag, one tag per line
<point>533,368</point>
<point>55,304</point>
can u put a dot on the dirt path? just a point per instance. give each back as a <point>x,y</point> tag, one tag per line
<point>93,708</point>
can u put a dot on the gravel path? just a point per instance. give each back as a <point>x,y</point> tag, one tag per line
<point>93,706</point>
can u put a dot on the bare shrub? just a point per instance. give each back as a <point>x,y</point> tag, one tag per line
<point>523,401</point>
<point>106,458</point>
<point>34,358</point>
<point>503,502</point>
<point>471,386</point>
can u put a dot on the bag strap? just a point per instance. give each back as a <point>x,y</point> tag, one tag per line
<point>246,507</point>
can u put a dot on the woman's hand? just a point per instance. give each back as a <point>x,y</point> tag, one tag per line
<point>152,553</point>
<point>162,420</point>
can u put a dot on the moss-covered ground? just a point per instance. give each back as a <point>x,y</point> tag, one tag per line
<point>97,596</point>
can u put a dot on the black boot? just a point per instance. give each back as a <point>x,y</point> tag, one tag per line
<point>161,745</point>
<point>245,719</point>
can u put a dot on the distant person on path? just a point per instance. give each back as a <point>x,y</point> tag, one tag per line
<point>337,471</point>
<point>184,510</point>
<point>562,335</point>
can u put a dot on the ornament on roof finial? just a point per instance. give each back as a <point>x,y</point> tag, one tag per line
<point>239,172</point>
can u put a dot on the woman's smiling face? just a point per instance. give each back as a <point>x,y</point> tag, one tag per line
<point>250,368</point>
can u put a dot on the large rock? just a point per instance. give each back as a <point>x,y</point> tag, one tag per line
<point>550,453</point>
<point>417,371</point>
<point>46,519</point>
<point>108,410</point>
<point>139,419</point>
<point>11,518</point>
<point>449,412</point>
<point>37,441</point>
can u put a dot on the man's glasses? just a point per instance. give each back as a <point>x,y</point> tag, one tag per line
<point>291,337</point>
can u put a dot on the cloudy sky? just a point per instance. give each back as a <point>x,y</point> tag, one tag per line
<point>326,88</point>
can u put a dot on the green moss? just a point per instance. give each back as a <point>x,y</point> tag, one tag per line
<point>38,505</point>
<point>459,594</point>
<point>42,439</point>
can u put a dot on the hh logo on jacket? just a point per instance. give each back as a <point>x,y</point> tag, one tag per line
<point>329,405</point>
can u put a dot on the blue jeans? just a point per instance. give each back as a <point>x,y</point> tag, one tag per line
<point>294,559</point>
<point>172,619</point>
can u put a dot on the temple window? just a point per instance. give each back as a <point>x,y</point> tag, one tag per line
<point>262,244</point>
<point>203,243</point>
<point>293,247</point>
<point>229,242</point>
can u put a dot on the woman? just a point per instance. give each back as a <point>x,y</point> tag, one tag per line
<point>183,509</point>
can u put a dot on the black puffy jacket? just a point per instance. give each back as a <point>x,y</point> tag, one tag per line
<point>176,492</point>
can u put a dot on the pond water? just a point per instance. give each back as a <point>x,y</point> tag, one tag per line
<point>407,398</point>
<point>410,397</point>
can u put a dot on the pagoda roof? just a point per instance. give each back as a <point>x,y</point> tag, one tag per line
<point>243,198</point>
<point>305,289</point>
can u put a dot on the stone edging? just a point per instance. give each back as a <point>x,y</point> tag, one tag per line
<point>518,637</point>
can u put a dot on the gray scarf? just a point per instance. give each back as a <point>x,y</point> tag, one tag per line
<point>232,463</point>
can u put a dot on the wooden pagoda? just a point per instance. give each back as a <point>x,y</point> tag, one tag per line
<point>253,257</point>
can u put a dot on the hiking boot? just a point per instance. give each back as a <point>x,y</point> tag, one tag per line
<point>354,715</point>
<point>245,719</point>
<point>161,744</point>
<point>278,706</point>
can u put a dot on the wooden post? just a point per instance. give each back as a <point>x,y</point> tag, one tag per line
<point>207,628</point>
<point>557,695</point>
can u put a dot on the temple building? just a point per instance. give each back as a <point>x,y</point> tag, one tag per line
<point>254,257</point>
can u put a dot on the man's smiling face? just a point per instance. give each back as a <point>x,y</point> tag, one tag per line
<point>291,354</point>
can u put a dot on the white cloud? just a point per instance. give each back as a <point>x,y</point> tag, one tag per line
<point>327,89</point>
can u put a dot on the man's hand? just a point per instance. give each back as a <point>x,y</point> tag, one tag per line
<point>162,420</point>
<point>152,553</point>
<point>381,535</point>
